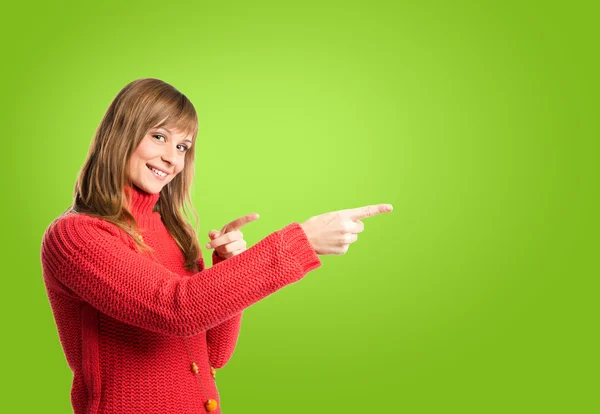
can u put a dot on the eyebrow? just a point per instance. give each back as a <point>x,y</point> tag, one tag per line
<point>170,133</point>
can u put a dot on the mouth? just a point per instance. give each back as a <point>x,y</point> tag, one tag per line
<point>158,173</point>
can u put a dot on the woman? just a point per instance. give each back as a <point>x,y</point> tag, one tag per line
<point>143,323</point>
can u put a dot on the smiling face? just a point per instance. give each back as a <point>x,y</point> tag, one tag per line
<point>162,150</point>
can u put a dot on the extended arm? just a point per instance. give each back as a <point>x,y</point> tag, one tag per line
<point>97,262</point>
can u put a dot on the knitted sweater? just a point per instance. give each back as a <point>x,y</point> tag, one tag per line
<point>123,319</point>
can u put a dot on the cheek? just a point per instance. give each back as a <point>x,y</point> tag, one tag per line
<point>181,166</point>
<point>142,154</point>
<point>144,151</point>
<point>131,163</point>
<point>135,161</point>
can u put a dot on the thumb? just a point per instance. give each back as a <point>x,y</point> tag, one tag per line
<point>213,234</point>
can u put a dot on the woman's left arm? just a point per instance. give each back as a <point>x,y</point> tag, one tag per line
<point>222,339</point>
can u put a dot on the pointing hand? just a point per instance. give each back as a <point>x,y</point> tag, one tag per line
<point>332,233</point>
<point>230,241</point>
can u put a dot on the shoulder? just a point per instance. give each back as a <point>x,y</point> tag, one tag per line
<point>74,224</point>
<point>75,230</point>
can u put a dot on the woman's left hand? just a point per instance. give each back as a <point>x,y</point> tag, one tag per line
<point>230,241</point>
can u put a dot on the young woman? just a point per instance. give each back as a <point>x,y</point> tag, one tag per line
<point>142,322</point>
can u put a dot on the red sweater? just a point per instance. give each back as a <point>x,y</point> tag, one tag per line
<point>122,318</point>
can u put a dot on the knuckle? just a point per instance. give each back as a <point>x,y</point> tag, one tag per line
<point>357,226</point>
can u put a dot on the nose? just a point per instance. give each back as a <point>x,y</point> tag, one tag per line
<point>170,155</point>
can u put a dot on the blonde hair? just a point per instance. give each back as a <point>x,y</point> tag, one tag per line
<point>99,189</point>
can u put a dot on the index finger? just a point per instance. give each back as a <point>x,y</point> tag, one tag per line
<point>239,223</point>
<point>367,211</point>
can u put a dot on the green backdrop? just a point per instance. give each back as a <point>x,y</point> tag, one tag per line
<point>476,120</point>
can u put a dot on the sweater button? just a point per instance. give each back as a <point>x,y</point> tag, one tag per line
<point>194,368</point>
<point>140,238</point>
<point>213,372</point>
<point>211,405</point>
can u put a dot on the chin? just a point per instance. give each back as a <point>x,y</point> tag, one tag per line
<point>150,189</point>
<point>155,190</point>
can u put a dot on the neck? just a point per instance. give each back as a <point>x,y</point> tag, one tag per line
<point>141,203</point>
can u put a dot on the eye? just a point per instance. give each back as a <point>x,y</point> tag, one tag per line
<point>185,147</point>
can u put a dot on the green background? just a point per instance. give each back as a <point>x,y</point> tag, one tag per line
<point>476,120</point>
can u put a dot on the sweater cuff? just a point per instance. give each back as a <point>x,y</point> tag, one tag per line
<point>216,258</point>
<point>296,241</point>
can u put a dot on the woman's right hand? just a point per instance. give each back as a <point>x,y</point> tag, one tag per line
<point>332,233</point>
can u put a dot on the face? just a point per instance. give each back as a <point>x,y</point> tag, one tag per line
<point>160,149</point>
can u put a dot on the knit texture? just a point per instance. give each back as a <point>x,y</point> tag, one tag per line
<point>122,317</point>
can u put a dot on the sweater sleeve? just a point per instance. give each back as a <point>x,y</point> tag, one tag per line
<point>96,262</point>
<point>222,339</point>
<point>216,258</point>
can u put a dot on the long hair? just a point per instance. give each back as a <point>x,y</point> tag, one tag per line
<point>100,186</point>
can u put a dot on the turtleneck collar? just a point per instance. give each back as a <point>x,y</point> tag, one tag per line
<point>142,204</point>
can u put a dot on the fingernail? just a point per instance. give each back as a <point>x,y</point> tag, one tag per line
<point>388,207</point>
<point>208,245</point>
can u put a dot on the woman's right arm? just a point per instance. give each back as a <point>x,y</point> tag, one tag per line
<point>97,262</point>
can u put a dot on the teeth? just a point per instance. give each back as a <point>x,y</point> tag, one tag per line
<point>162,174</point>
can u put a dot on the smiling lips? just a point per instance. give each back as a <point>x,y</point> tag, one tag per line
<point>160,174</point>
